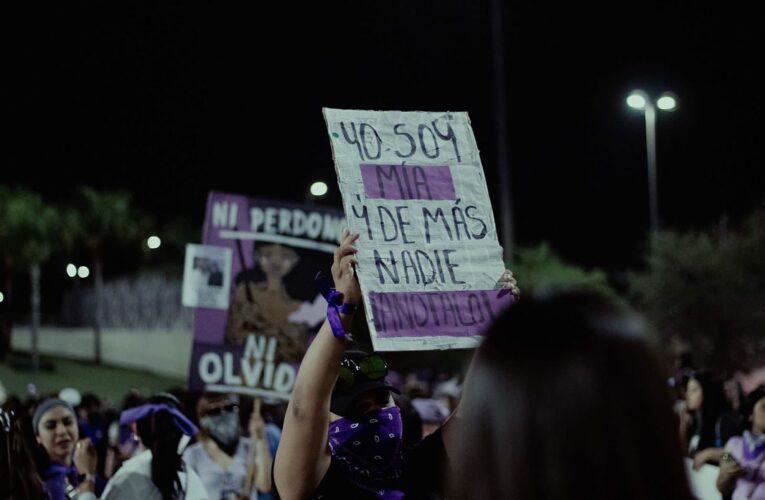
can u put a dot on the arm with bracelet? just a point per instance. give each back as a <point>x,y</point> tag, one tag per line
<point>303,457</point>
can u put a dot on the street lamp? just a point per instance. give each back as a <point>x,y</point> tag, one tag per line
<point>319,189</point>
<point>153,242</point>
<point>74,271</point>
<point>641,101</point>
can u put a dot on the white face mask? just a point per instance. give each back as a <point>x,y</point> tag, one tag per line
<point>224,429</point>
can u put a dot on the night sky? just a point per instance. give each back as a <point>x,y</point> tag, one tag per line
<point>172,99</point>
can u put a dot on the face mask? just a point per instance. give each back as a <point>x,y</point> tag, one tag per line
<point>224,429</point>
<point>369,451</point>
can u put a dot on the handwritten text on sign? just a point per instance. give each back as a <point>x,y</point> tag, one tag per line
<point>413,187</point>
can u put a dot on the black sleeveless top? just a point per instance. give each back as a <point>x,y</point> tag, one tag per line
<point>423,477</point>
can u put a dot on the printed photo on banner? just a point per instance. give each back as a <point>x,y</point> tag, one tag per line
<point>255,344</point>
<point>413,187</point>
<point>206,276</point>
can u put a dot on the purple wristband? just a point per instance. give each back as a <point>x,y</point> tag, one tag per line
<point>335,305</point>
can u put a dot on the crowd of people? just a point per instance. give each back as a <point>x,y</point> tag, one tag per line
<point>565,398</point>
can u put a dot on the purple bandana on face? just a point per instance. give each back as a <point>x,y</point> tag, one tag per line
<point>369,451</point>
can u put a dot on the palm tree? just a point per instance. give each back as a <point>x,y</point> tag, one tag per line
<point>104,218</point>
<point>28,237</point>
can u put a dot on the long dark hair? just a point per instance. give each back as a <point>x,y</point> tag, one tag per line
<point>713,405</point>
<point>159,433</point>
<point>747,409</point>
<point>21,480</point>
<point>566,401</point>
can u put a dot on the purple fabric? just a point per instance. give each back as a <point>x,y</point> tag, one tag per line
<point>369,451</point>
<point>140,412</point>
<point>449,314</point>
<point>408,182</point>
<point>335,305</point>
<point>56,476</point>
<point>753,447</point>
<point>751,483</point>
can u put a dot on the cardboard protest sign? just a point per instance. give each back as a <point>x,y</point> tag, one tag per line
<point>429,260</point>
<point>255,342</point>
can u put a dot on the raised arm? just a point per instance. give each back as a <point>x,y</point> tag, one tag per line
<point>303,456</point>
<point>259,459</point>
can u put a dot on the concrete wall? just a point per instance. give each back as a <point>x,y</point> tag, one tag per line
<point>156,351</point>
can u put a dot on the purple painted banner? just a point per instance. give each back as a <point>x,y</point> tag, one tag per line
<point>277,248</point>
<point>450,313</point>
<point>408,182</point>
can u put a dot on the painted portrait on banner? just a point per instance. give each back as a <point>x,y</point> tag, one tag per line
<point>255,344</point>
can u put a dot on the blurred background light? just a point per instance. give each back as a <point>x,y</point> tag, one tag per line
<point>83,272</point>
<point>319,188</point>
<point>636,100</point>
<point>153,242</point>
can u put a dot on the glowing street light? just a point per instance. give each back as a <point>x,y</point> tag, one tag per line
<point>153,242</point>
<point>641,101</point>
<point>319,188</point>
<point>71,270</point>
<point>83,272</point>
<point>636,100</point>
<point>2,297</point>
<point>667,102</point>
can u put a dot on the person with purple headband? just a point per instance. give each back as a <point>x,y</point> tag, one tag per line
<point>157,471</point>
<point>742,465</point>
<point>342,433</point>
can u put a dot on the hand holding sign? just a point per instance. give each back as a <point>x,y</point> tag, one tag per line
<point>507,282</point>
<point>343,271</point>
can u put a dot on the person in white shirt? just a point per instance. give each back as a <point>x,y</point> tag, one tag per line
<point>229,465</point>
<point>157,471</point>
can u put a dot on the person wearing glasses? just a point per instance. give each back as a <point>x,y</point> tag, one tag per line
<point>342,433</point>
<point>231,467</point>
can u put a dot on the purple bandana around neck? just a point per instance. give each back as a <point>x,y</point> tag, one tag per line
<point>369,451</point>
<point>134,414</point>
<point>753,445</point>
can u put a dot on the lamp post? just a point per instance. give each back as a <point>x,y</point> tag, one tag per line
<point>641,101</point>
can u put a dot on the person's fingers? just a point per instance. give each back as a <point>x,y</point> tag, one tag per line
<point>337,255</point>
<point>348,260</point>
<point>347,263</point>
<point>346,248</point>
<point>349,239</point>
